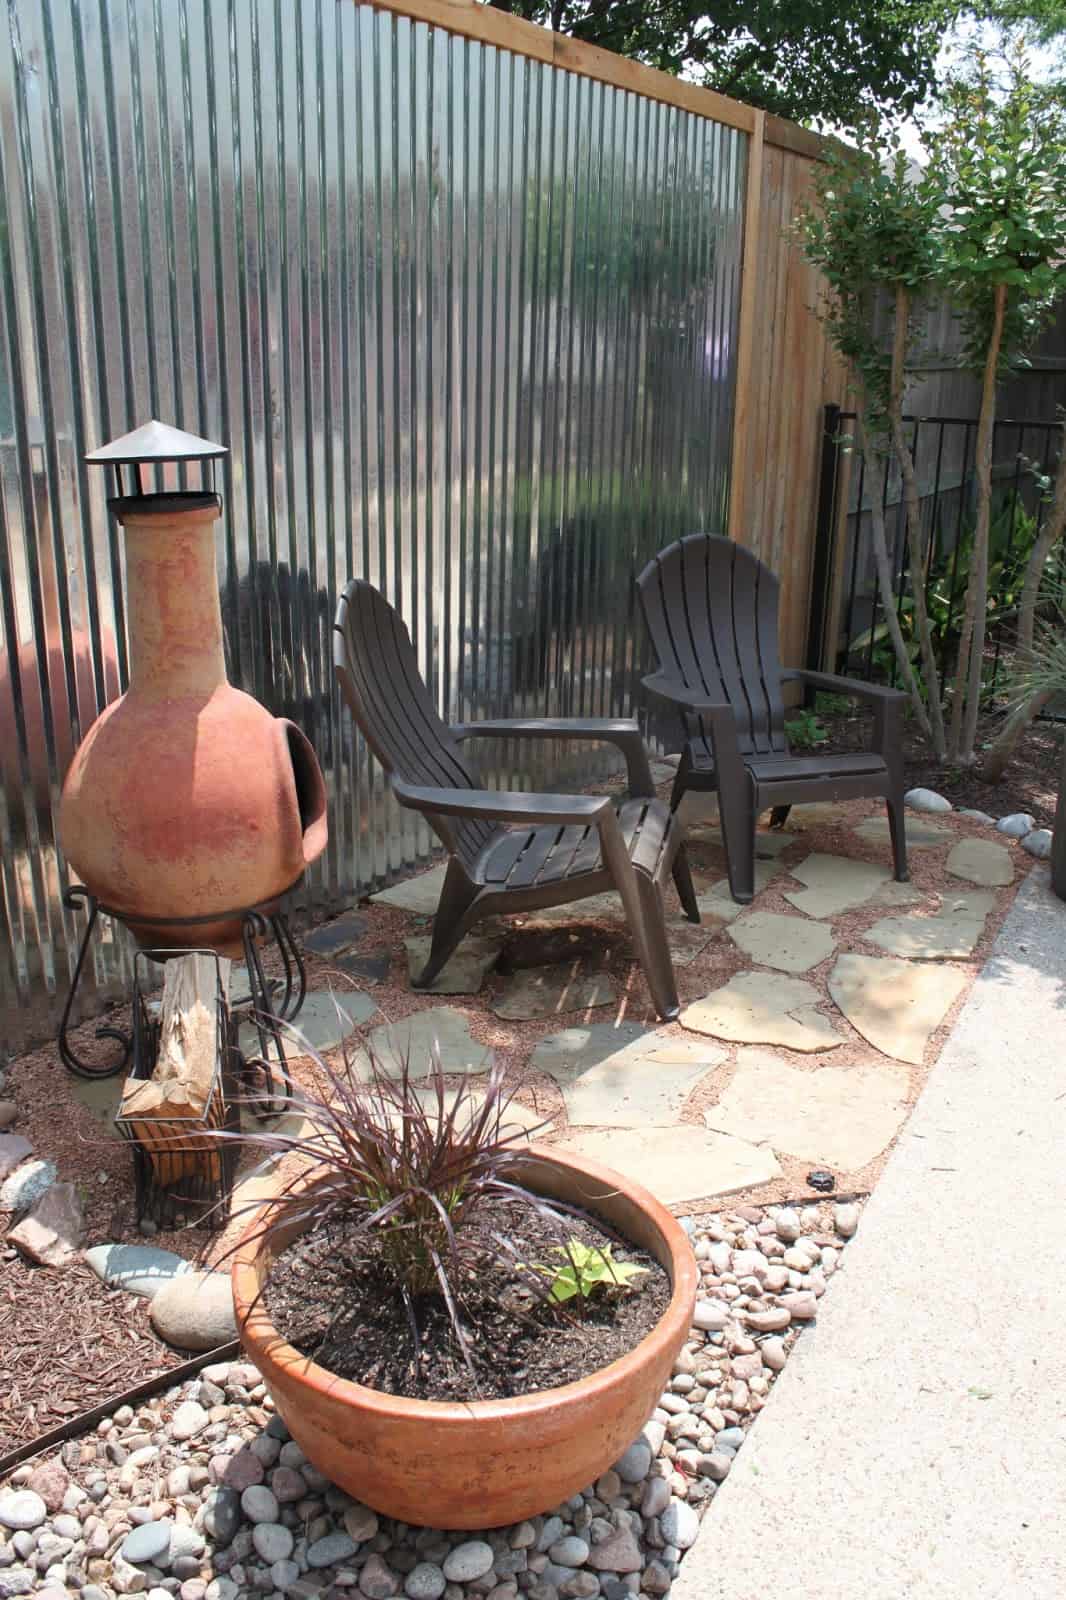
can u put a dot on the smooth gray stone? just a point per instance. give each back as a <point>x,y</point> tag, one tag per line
<point>136,1268</point>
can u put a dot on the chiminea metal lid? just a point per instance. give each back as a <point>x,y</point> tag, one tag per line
<point>155,441</point>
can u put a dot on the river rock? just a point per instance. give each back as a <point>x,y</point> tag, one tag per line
<point>680,1524</point>
<point>26,1185</point>
<point>377,1581</point>
<point>1017,825</point>
<point>272,1542</point>
<point>468,1561</point>
<point>13,1150</point>
<point>332,1548</point>
<point>619,1552</point>
<point>148,1542</point>
<point>425,1582</point>
<point>188,1420</point>
<point>22,1509</point>
<point>1038,843</point>
<point>195,1311</point>
<point>135,1268</point>
<point>51,1481</point>
<point>926,800</point>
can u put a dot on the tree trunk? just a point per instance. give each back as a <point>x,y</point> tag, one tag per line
<point>875,472</point>
<point>1019,719</point>
<point>967,700</point>
<point>1058,838</point>
<point>916,562</point>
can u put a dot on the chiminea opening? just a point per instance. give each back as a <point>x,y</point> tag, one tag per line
<point>310,790</point>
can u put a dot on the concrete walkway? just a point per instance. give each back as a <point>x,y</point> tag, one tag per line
<point>915,1446</point>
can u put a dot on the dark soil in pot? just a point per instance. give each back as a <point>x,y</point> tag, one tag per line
<point>331,1296</point>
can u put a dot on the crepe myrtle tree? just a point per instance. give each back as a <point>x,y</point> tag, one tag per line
<point>872,234</point>
<point>999,160</point>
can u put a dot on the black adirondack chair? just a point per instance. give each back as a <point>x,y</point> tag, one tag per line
<point>711,610</point>
<point>509,851</point>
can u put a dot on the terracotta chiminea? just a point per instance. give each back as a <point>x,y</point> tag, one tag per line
<point>186,800</point>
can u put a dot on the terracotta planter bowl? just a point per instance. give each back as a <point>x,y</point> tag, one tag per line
<point>491,1462</point>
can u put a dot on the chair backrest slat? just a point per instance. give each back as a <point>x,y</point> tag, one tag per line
<point>378,672</point>
<point>711,610</point>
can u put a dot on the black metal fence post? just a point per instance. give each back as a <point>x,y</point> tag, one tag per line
<point>824,538</point>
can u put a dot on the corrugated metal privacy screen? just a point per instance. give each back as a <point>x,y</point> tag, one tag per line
<point>466,321</point>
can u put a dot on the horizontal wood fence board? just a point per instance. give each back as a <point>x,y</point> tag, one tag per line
<point>474,21</point>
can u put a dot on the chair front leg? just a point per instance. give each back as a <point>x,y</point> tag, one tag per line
<point>686,889</point>
<point>455,914</point>
<point>644,913</point>
<point>888,741</point>
<point>738,814</point>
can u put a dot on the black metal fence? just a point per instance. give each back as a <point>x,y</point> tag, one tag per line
<point>847,628</point>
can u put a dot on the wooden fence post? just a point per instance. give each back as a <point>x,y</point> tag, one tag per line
<point>739,470</point>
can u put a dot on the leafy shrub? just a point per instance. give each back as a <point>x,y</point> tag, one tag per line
<point>805,730</point>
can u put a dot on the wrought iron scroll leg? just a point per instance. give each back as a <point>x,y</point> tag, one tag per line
<point>72,900</point>
<point>264,1015</point>
<point>295,992</point>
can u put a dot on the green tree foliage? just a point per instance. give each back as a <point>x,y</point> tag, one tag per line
<point>829,61</point>
<point>872,233</point>
<point>999,161</point>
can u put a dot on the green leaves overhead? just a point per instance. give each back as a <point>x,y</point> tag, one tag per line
<point>873,227</point>
<point>1000,165</point>
<point>812,60</point>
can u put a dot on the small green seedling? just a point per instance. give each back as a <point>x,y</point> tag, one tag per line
<point>805,730</point>
<point>584,1269</point>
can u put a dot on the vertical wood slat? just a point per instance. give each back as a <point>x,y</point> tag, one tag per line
<point>749,300</point>
<point>786,372</point>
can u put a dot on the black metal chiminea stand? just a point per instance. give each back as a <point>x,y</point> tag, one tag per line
<point>269,1003</point>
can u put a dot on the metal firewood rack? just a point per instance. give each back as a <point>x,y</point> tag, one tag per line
<point>183,1175</point>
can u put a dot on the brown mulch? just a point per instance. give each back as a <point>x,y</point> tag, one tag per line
<point>331,1296</point>
<point>1030,782</point>
<point>67,1343</point>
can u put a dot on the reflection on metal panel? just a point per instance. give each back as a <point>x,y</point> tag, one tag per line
<point>466,322</point>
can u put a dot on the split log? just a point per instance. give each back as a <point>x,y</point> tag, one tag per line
<point>166,1110</point>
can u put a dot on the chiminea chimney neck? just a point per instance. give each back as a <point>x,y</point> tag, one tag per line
<point>172,594</point>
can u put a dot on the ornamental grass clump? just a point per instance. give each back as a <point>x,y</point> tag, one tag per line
<point>405,1165</point>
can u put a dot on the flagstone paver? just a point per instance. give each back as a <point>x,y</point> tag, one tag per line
<point>551,991</point>
<point>764,1008</point>
<point>818,814</point>
<point>333,937</point>
<point>899,894</point>
<point>950,934</point>
<point>626,1077</point>
<point>841,1116</point>
<point>419,894</point>
<point>834,884</point>
<point>687,940</point>
<point>371,967</point>
<point>465,971</point>
<point>443,1027</point>
<point>982,862</point>
<point>327,1017</point>
<point>921,834</point>
<point>767,845</point>
<point>894,1004</point>
<point>791,944</point>
<point>717,901</point>
<point>514,1116</point>
<point>679,1164</point>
